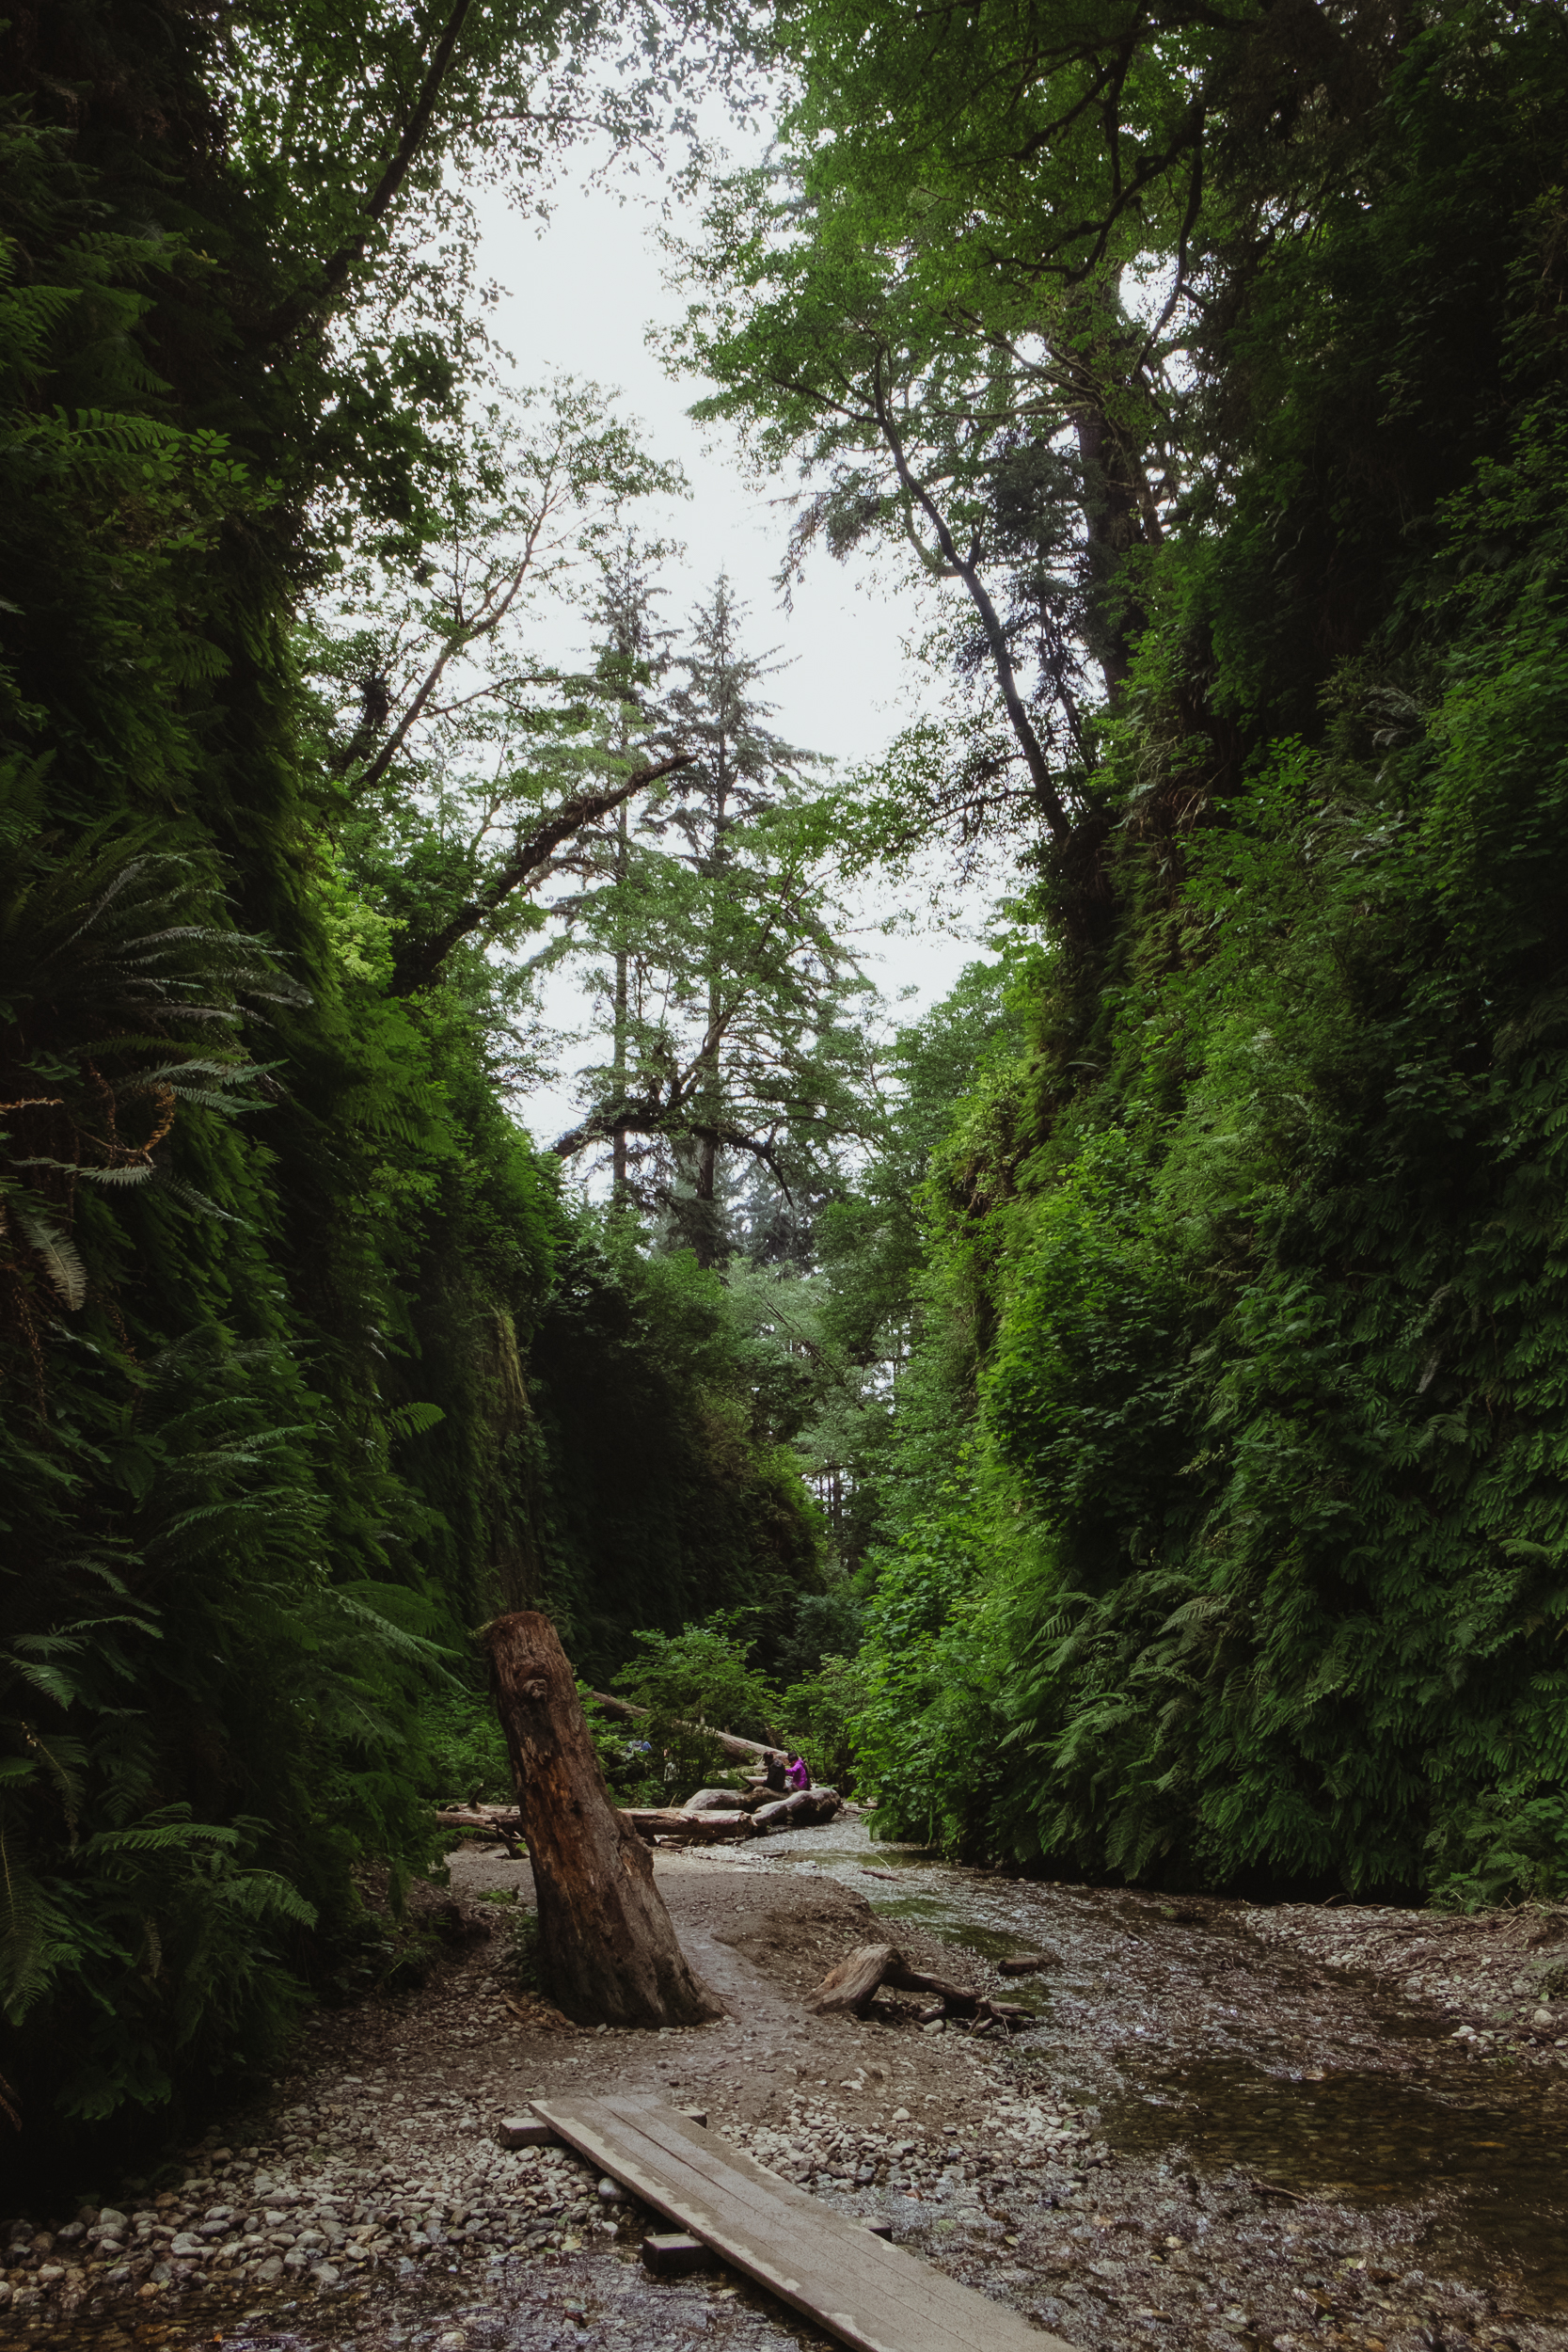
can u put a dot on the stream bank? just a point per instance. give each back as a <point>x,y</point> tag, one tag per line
<point>1227,2126</point>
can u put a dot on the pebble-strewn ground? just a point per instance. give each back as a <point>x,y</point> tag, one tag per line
<point>1502,1979</point>
<point>1229,2128</point>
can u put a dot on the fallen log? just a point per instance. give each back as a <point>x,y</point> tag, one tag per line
<point>713,1827</point>
<point>954,2000</point>
<point>804,1809</point>
<point>491,1820</point>
<point>497,1819</point>
<point>729,1800</point>
<point>660,1821</point>
<point>746,1750</point>
<point>607,1952</point>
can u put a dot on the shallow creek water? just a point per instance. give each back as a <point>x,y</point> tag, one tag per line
<point>1285,2159</point>
<point>1477,2155</point>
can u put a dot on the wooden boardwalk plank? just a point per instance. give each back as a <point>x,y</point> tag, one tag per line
<point>874,2296</point>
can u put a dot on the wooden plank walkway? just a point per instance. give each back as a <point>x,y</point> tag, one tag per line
<point>875,2296</point>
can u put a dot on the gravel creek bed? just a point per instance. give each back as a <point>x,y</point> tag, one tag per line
<point>1224,2125</point>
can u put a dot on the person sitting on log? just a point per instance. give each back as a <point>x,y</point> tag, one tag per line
<point>798,1774</point>
<point>773,1771</point>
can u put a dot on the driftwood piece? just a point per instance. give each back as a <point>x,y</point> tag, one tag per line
<point>956,2000</point>
<point>849,1989</point>
<point>713,1801</point>
<point>660,1821</point>
<point>784,1813</point>
<point>607,1952</point>
<point>853,1985</point>
<point>1022,1964</point>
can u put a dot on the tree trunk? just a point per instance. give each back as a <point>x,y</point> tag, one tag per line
<point>620,1190</point>
<point>709,1238</point>
<point>608,1952</point>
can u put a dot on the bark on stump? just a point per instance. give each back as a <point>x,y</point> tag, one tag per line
<point>607,1952</point>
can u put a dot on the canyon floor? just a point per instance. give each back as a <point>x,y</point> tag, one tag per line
<point>1224,2125</point>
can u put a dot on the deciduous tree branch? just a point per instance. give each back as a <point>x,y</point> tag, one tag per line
<point>420,959</point>
<point>1046,795</point>
<point>663,1119</point>
<point>317,302</point>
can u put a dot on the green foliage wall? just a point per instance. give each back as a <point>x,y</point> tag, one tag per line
<point>663,1505</point>
<point>1248,1564</point>
<point>305,1366</point>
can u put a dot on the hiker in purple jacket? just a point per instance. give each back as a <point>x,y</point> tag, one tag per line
<point>798,1776</point>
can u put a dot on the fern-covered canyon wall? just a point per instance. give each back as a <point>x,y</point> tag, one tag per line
<point>1226,1541</point>
<point>308,1366</point>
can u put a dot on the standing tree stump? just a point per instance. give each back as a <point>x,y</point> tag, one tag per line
<point>607,1952</point>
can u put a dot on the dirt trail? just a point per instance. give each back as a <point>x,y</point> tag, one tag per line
<point>1229,2127</point>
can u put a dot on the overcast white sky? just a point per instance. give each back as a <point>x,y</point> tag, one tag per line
<point>581,296</point>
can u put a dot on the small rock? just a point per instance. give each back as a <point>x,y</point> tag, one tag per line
<point>186,2243</point>
<point>326,2274</point>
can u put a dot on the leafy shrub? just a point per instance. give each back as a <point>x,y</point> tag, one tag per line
<point>821,1710</point>
<point>1504,1846</point>
<point>466,1762</point>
